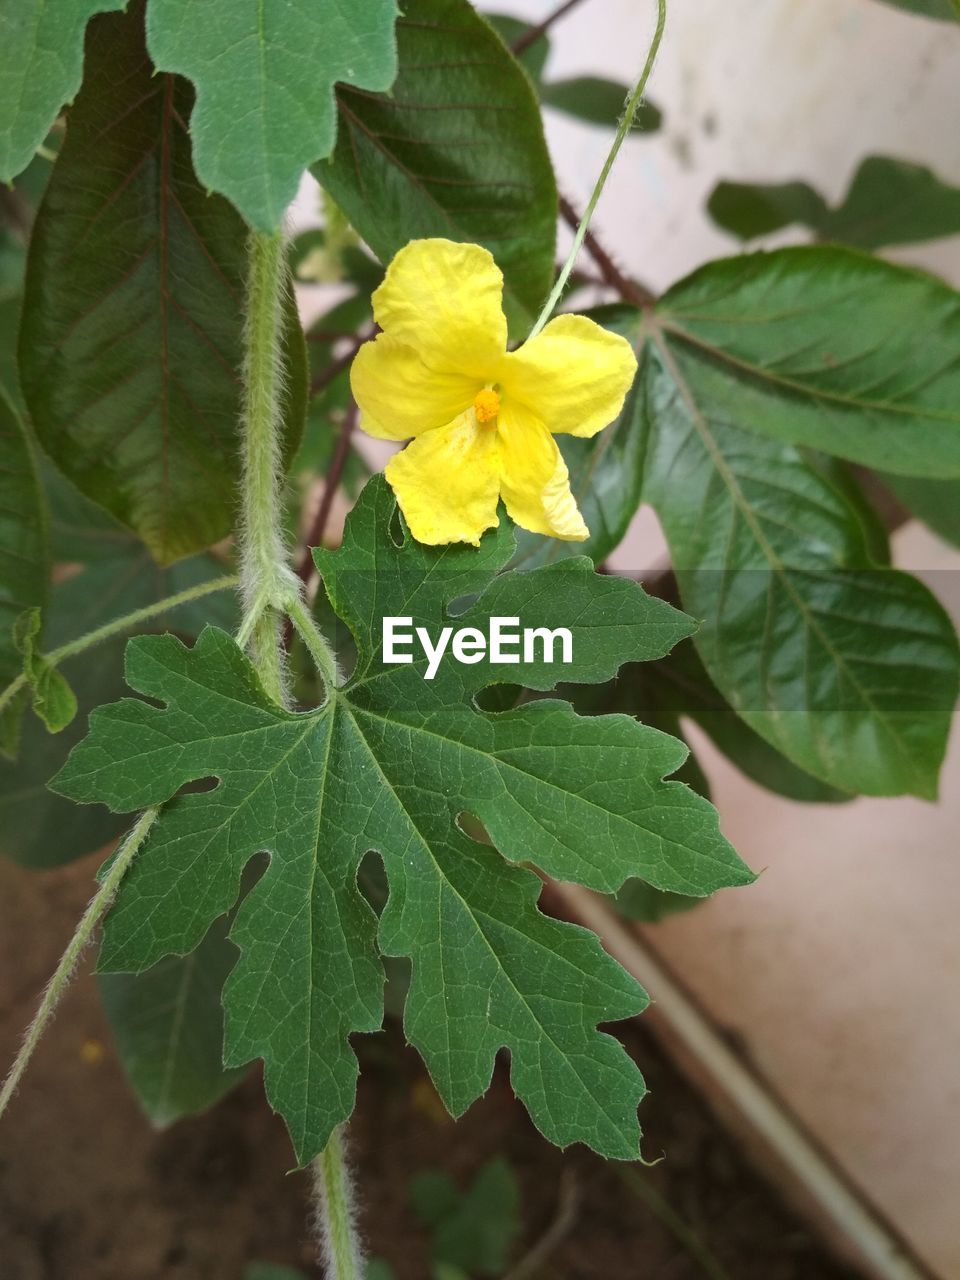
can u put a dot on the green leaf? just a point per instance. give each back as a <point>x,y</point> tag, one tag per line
<point>606,471</point>
<point>894,202</point>
<point>41,65</point>
<point>935,502</point>
<point>456,150</point>
<point>751,209</point>
<point>168,1027</point>
<point>678,685</point>
<point>848,670</point>
<point>390,762</point>
<point>890,202</point>
<point>264,79</point>
<point>53,699</point>
<point>24,562</point>
<point>946,10</point>
<point>827,348</point>
<point>474,1229</point>
<point>38,828</point>
<point>131,338</point>
<point>597,101</point>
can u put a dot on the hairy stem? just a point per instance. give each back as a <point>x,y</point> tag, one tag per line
<point>98,907</point>
<point>272,590</point>
<point>629,112</point>
<point>313,638</point>
<point>266,577</point>
<point>333,1194</point>
<point>126,623</point>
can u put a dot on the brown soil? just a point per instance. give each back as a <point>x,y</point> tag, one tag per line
<point>89,1192</point>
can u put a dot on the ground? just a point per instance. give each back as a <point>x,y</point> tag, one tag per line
<point>88,1191</point>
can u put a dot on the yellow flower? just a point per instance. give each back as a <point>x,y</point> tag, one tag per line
<point>480,416</point>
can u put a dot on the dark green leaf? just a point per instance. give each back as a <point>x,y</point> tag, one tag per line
<point>389,763</point>
<point>935,502</point>
<point>168,1026</point>
<point>131,337</point>
<point>827,348</point>
<point>456,150</point>
<point>750,209</point>
<point>890,202</point>
<point>597,101</point>
<point>264,79</point>
<point>474,1229</point>
<point>24,563</point>
<point>606,472</point>
<point>894,202</point>
<point>41,64</point>
<point>848,670</point>
<point>677,686</point>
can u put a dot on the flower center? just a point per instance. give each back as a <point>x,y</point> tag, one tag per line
<point>487,404</point>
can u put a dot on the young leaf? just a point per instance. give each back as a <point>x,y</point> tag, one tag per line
<point>456,150</point>
<point>131,337</point>
<point>597,101</point>
<point>168,1026</point>
<point>473,1230</point>
<point>848,670</point>
<point>38,828</point>
<point>264,80</point>
<point>389,763</point>
<point>53,699</point>
<point>827,348</point>
<point>41,64</point>
<point>606,471</point>
<point>24,562</point>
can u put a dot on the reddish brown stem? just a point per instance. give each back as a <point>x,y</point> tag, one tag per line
<point>336,367</point>
<point>533,34</point>
<point>331,484</point>
<point>629,290</point>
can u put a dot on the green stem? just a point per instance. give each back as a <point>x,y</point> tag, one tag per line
<point>126,623</point>
<point>99,904</point>
<point>630,110</point>
<point>266,577</point>
<point>316,643</point>
<point>271,589</point>
<point>340,1247</point>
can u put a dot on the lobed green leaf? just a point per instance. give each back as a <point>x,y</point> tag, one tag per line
<point>390,762</point>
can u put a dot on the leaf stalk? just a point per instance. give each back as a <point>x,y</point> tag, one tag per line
<point>96,910</point>
<point>333,1193</point>
<point>118,625</point>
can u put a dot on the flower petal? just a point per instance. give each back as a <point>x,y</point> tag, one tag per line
<point>446,301</point>
<point>448,481</point>
<point>534,481</point>
<point>399,396</point>
<point>574,375</point>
